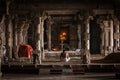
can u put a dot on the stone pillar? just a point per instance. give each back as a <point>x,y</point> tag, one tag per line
<point>49,23</point>
<point>84,34</point>
<point>116,34</point>
<point>80,30</point>
<point>106,36</point>
<point>111,36</point>
<point>106,24</point>
<point>9,36</point>
<point>87,40</point>
<point>42,38</point>
<point>49,37</point>
<point>88,35</point>
<point>2,40</point>
<point>2,30</point>
<point>79,36</point>
<point>15,38</point>
<point>102,38</point>
<point>15,49</point>
<point>39,38</point>
<point>106,42</point>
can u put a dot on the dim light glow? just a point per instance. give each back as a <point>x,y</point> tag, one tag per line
<point>63,36</point>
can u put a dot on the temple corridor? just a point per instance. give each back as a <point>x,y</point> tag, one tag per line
<point>89,30</point>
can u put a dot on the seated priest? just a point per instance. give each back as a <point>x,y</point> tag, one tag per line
<point>64,56</point>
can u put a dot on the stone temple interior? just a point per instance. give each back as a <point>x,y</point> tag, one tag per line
<point>89,26</point>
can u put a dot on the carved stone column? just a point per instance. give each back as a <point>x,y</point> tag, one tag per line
<point>84,29</point>
<point>106,25</point>
<point>2,30</point>
<point>111,36</point>
<point>79,36</point>
<point>49,37</point>
<point>102,38</point>
<point>106,36</point>
<point>87,39</point>
<point>9,36</point>
<point>87,35</point>
<point>2,40</point>
<point>80,30</point>
<point>108,45</point>
<point>49,23</point>
<point>42,37</point>
<point>15,37</point>
<point>38,37</point>
<point>116,34</point>
<point>2,35</point>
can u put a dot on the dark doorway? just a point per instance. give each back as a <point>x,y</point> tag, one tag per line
<point>95,37</point>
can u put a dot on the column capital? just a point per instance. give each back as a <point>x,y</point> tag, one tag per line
<point>102,18</point>
<point>84,16</point>
<point>50,20</point>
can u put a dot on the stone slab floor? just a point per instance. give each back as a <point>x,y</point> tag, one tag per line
<point>87,76</point>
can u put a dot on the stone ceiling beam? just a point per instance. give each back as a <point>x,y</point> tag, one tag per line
<point>62,12</point>
<point>103,11</point>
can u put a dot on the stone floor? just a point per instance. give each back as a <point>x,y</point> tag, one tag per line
<point>87,76</point>
<point>54,62</point>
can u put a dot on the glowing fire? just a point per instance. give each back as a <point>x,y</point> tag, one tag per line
<point>63,36</point>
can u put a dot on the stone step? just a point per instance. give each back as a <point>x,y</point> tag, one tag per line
<point>55,71</point>
<point>61,71</point>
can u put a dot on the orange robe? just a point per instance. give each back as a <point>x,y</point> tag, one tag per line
<point>25,50</point>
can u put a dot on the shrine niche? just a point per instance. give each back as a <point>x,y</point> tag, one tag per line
<point>63,36</point>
